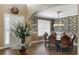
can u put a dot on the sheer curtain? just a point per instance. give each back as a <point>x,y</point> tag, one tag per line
<point>43,26</point>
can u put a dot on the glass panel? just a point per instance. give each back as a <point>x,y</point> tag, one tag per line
<point>6,30</point>
<point>43,26</point>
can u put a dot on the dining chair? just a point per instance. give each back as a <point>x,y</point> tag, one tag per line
<point>73,37</point>
<point>46,38</point>
<point>52,40</point>
<point>65,43</point>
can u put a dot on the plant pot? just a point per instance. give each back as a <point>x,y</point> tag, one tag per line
<point>22,50</point>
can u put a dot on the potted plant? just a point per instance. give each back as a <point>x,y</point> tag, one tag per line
<point>22,31</point>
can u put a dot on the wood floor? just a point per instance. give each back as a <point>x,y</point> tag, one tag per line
<point>37,49</point>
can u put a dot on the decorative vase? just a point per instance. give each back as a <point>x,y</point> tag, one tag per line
<point>23,48</point>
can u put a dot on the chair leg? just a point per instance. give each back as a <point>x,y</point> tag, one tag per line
<point>49,46</point>
<point>71,47</point>
<point>61,49</point>
<point>58,48</point>
<point>65,49</point>
<point>45,44</point>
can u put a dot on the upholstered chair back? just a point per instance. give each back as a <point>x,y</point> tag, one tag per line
<point>65,41</point>
<point>52,38</point>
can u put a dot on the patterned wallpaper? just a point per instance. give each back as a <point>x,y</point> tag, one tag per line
<point>70,23</point>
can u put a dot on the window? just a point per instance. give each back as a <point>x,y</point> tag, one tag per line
<point>6,30</point>
<point>43,26</point>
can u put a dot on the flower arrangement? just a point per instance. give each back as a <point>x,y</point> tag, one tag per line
<point>22,30</point>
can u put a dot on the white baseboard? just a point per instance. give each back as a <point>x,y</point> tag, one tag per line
<point>29,44</point>
<point>36,42</point>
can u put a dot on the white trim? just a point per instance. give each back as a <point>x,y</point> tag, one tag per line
<point>36,42</point>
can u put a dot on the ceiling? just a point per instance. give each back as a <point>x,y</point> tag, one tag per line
<point>39,7</point>
<point>36,8</point>
<point>50,11</point>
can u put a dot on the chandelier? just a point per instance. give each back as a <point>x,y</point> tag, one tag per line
<point>59,20</point>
